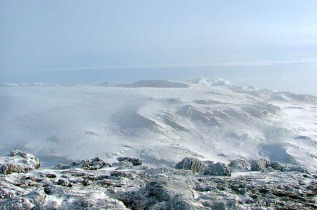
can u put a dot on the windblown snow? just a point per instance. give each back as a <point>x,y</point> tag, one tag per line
<point>160,122</point>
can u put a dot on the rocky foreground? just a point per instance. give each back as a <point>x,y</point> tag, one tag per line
<point>127,184</point>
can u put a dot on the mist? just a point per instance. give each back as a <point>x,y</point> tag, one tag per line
<point>265,44</point>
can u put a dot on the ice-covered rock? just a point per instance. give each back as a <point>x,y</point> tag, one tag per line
<point>260,164</point>
<point>292,168</point>
<point>162,192</point>
<point>92,164</point>
<point>159,188</point>
<point>134,161</point>
<point>265,165</point>
<point>239,165</point>
<point>277,166</point>
<point>189,163</point>
<point>18,162</point>
<point>216,169</point>
<point>63,182</point>
<point>123,164</point>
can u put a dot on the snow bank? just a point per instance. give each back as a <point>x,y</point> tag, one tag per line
<point>159,125</point>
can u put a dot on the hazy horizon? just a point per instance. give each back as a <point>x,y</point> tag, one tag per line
<point>267,44</point>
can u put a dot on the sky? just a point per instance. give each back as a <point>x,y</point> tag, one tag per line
<point>122,40</point>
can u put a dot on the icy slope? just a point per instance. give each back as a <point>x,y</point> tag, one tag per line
<point>160,125</point>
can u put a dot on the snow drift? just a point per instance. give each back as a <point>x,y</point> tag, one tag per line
<point>162,122</point>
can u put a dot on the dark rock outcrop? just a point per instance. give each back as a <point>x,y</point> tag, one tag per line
<point>277,166</point>
<point>216,169</point>
<point>260,164</point>
<point>92,164</point>
<point>134,161</point>
<point>239,165</point>
<point>123,164</point>
<point>193,164</point>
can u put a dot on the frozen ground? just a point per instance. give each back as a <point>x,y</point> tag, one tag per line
<point>211,120</point>
<point>127,184</point>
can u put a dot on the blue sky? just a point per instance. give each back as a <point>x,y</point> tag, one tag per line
<point>106,35</point>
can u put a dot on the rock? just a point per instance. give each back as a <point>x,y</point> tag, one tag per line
<point>219,205</point>
<point>62,182</point>
<point>277,166</point>
<point>62,166</point>
<point>179,203</point>
<point>119,174</point>
<point>123,164</point>
<point>90,202</point>
<point>86,182</point>
<point>217,169</point>
<point>48,190</point>
<point>134,161</point>
<point>4,169</point>
<point>159,188</point>
<point>260,164</point>
<point>176,193</point>
<point>269,169</point>
<point>18,162</point>
<point>32,200</point>
<point>266,165</point>
<point>288,167</point>
<point>159,206</point>
<point>16,203</point>
<point>193,164</point>
<point>92,164</point>
<point>51,176</point>
<point>296,168</point>
<point>239,165</point>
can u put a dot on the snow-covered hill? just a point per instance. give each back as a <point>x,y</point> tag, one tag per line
<point>211,120</point>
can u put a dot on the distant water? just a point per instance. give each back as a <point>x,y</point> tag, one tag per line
<point>297,78</point>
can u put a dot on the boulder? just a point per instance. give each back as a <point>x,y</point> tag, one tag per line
<point>18,162</point>
<point>134,161</point>
<point>179,203</point>
<point>239,165</point>
<point>62,182</point>
<point>176,193</point>
<point>268,166</point>
<point>92,164</point>
<point>295,168</point>
<point>217,169</point>
<point>260,164</point>
<point>277,166</point>
<point>193,164</point>
<point>123,164</point>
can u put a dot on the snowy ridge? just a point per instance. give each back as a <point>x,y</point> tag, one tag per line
<point>217,122</point>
